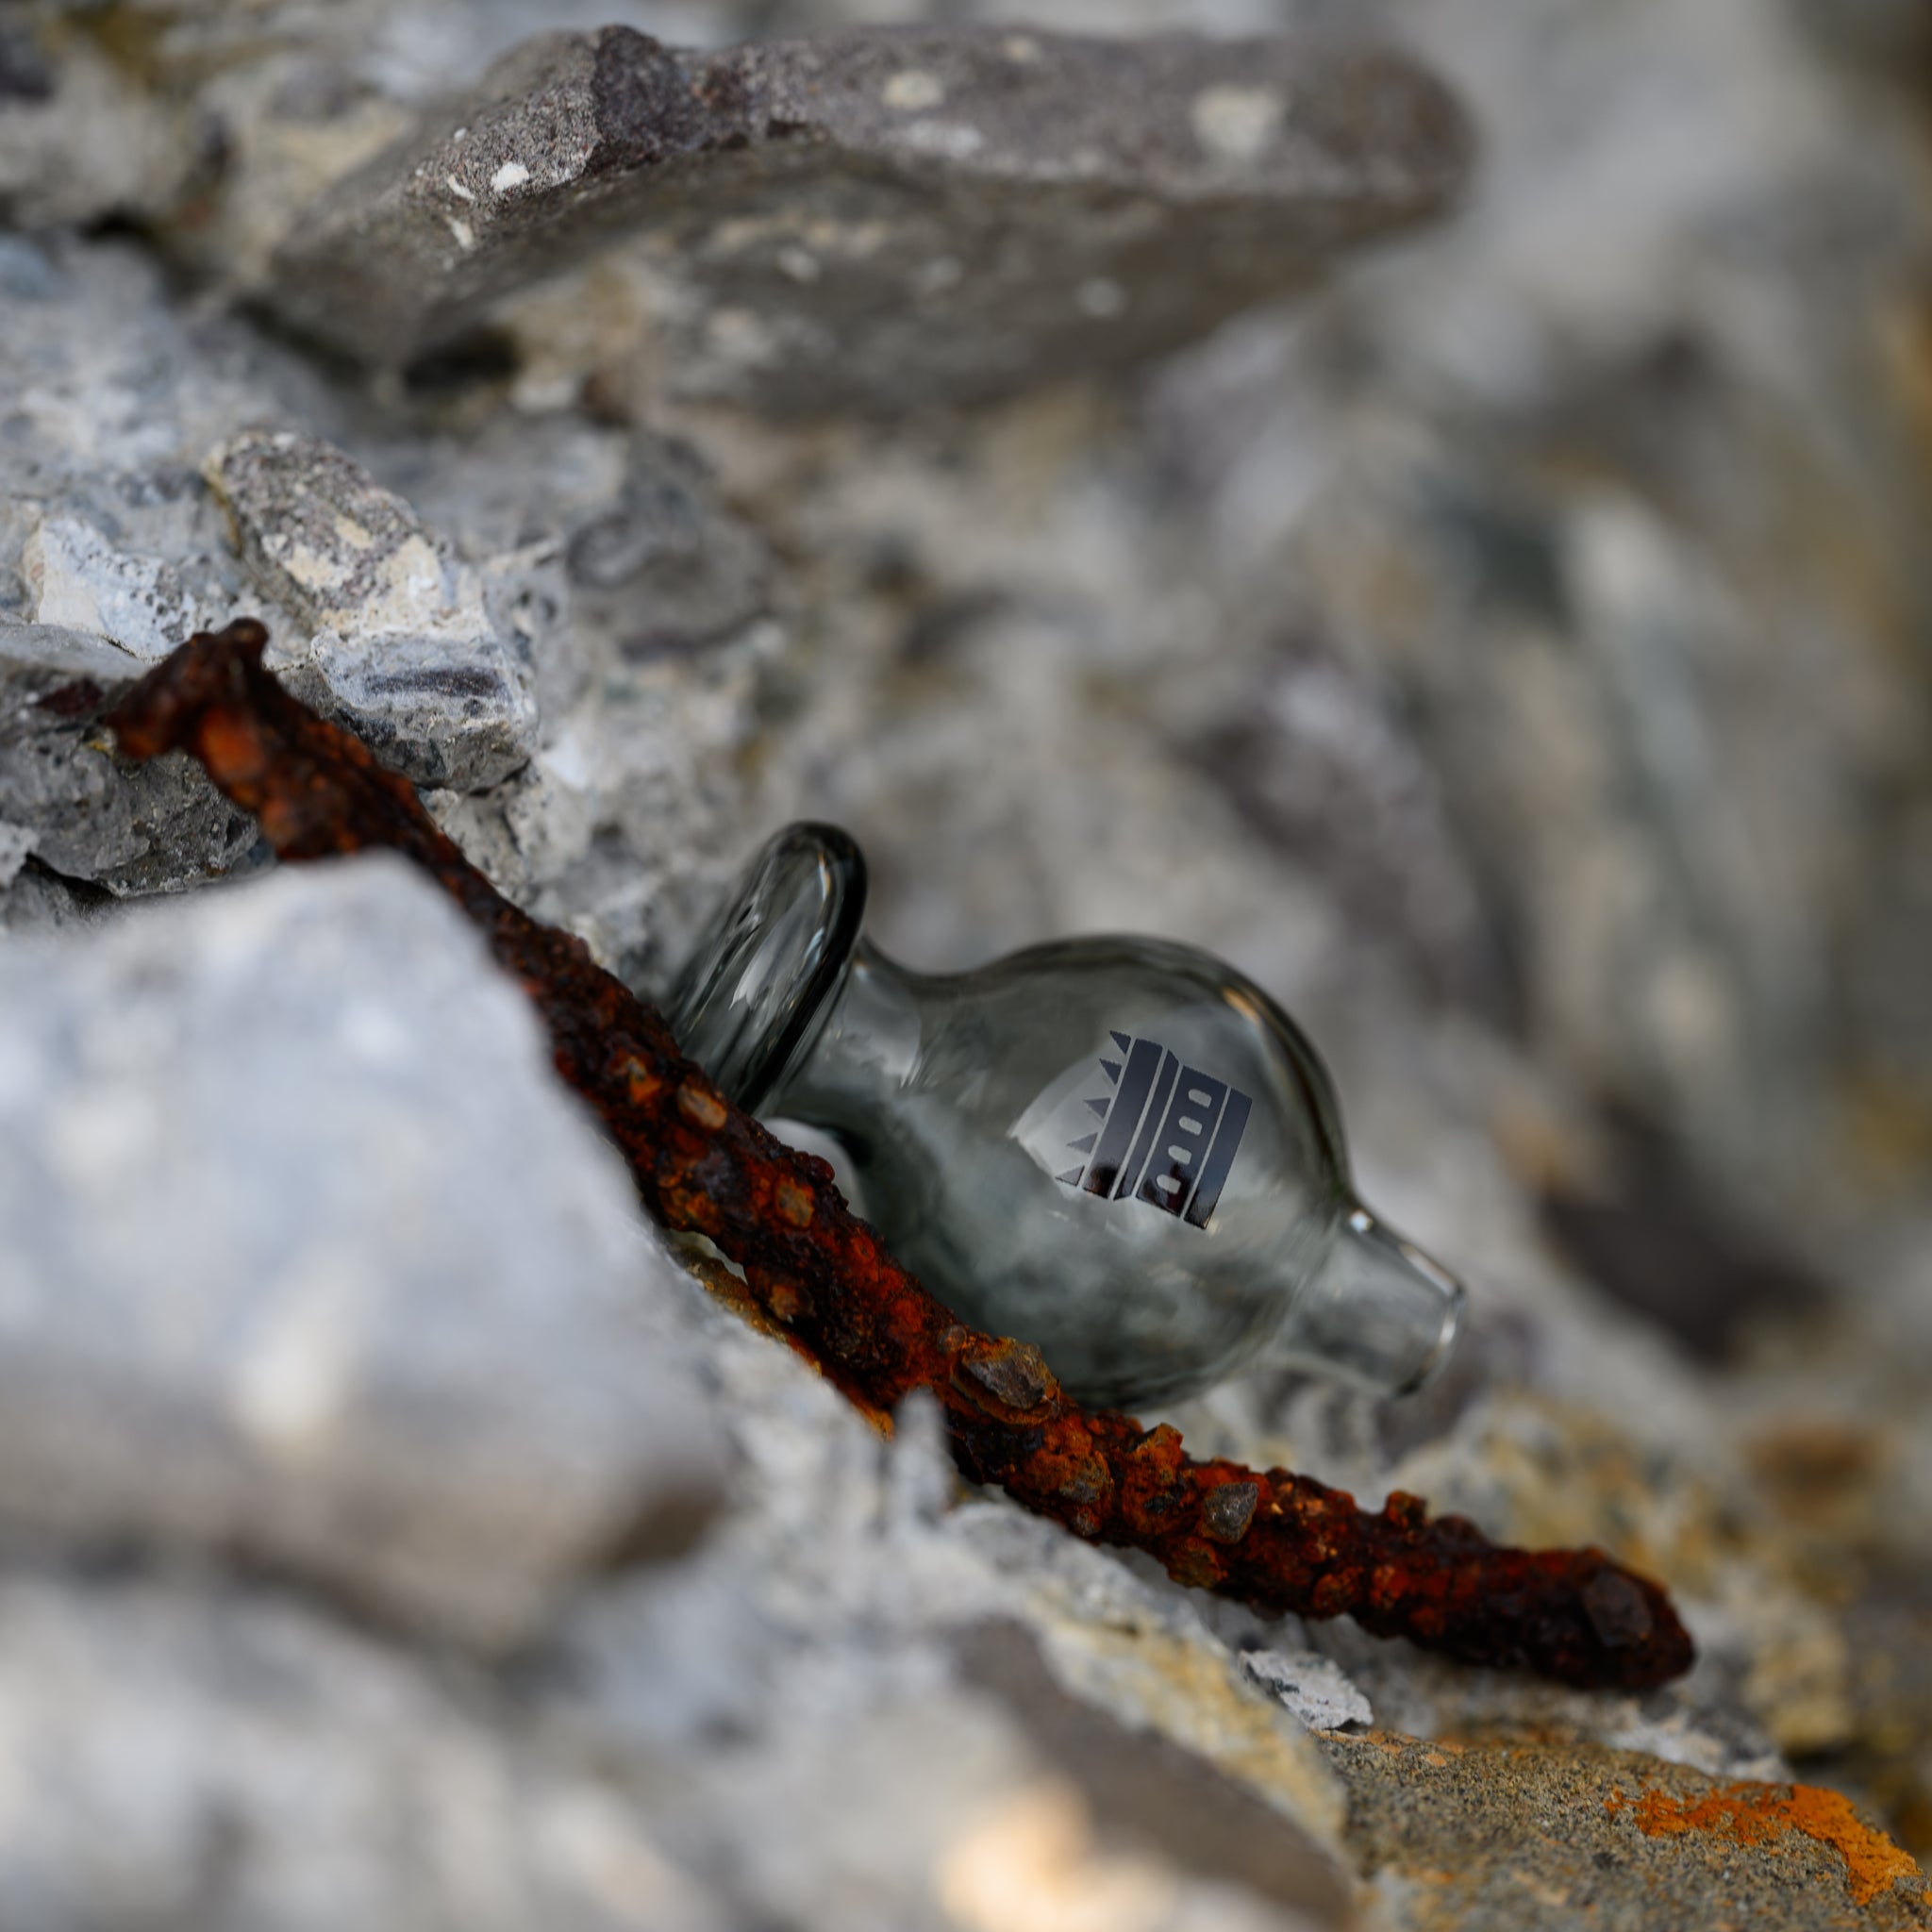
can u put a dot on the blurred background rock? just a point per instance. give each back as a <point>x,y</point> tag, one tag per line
<point>1435,513</point>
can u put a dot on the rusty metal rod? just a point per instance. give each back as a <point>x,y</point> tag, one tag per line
<point>1275,1541</point>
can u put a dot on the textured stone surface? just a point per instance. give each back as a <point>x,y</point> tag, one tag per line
<point>401,641</point>
<point>279,1279</point>
<point>71,803</point>
<point>587,568</point>
<point>652,614</point>
<point>36,900</point>
<point>109,547</point>
<point>79,140</point>
<point>1508,1838</point>
<point>1315,1688</point>
<point>184,1756</point>
<point>885,220</point>
<point>923,1689</point>
<point>78,580</point>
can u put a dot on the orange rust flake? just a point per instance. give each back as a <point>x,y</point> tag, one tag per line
<point>794,1201</point>
<point>1755,1814</point>
<point>231,738</point>
<point>705,1109</point>
<point>1196,1564</point>
<point>641,1085</point>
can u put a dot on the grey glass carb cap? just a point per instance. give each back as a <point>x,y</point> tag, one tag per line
<point>1119,1149</point>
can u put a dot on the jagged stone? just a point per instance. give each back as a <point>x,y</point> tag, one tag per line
<point>403,643</point>
<point>308,1255</point>
<point>885,220</point>
<point>72,804</point>
<point>78,580</point>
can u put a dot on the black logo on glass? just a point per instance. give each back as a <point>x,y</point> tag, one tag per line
<point>1168,1134</point>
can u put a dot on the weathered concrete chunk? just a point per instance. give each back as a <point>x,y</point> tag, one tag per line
<point>77,808</point>
<point>306,1253</point>
<point>403,643</point>
<point>884,219</point>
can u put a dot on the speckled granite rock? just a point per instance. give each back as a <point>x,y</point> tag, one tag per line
<point>1504,1837</point>
<point>279,1280</point>
<point>401,641</point>
<point>886,220</point>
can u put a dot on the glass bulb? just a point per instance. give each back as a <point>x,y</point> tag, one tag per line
<point>1119,1149</point>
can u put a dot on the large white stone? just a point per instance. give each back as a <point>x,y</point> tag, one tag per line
<point>304,1252</point>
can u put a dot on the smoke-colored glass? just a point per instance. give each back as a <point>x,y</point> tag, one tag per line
<point>1119,1149</point>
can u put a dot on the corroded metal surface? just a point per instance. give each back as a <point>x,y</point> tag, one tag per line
<point>1277,1541</point>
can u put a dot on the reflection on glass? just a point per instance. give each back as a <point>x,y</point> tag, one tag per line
<point>1116,1148</point>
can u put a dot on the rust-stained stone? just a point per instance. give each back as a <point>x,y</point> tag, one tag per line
<point>886,219</point>
<point>702,1167</point>
<point>1517,1839</point>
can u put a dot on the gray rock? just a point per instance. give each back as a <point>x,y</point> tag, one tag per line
<point>1499,658</point>
<point>189,1757</point>
<point>649,610</point>
<point>111,553</point>
<point>884,221</point>
<point>308,1256</point>
<point>1315,1688</point>
<point>83,812</point>
<point>37,900</point>
<point>663,571</point>
<point>77,579</point>
<point>79,139</point>
<point>1139,1780</point>
<point>403,643</point>
<point>16,844</point>
<point>610,582</point>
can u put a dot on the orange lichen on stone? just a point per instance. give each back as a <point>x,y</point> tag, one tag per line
<point>1755,1814</point>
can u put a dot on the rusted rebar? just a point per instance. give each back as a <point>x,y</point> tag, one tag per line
<point>1273,1539</point>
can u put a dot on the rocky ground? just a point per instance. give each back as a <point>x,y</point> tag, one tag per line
<point>1428,505</point>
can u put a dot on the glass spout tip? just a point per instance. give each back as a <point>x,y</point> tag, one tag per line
<point>1380,1312</point>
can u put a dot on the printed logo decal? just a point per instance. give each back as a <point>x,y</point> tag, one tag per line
<point>1168,1134</point>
